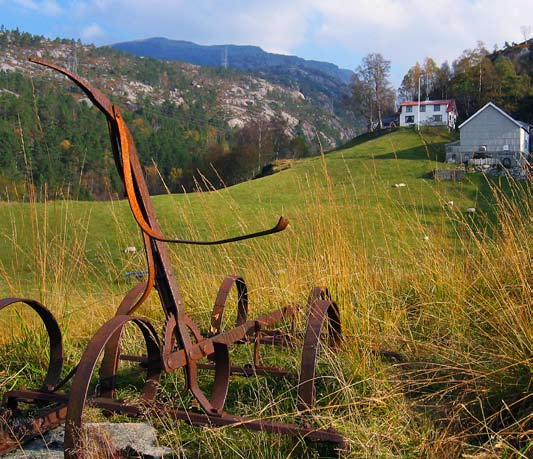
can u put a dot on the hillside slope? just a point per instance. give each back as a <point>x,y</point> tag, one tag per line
<point>360,179</point>
<point>181,115</point>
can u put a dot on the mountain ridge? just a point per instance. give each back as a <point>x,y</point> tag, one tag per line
<point>213,55</point>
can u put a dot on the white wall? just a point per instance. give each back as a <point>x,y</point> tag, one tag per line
<point>426,117</point>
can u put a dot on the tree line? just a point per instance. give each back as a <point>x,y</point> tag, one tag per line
<point>49,136</point>
<point>476,77</point>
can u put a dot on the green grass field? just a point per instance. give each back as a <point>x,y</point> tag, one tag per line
<point>414,275</point>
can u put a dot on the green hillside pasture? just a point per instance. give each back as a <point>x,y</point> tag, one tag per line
<point>449,292</point>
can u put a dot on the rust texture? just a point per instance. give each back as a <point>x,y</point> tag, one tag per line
<point>181,345</point>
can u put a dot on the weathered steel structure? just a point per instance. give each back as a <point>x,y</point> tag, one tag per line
<point>180,346</point>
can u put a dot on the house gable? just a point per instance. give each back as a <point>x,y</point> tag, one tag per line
<point>493,128</point>
<point>490,106</point>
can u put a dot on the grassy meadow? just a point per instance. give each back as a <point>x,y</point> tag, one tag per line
<point>414,275</point>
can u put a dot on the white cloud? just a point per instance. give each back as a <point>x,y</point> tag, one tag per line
<point>403,28</point>
<point>51,8</point>
<point>92,32</point>
<point>27,4</point>
<point>46,7</point>
<point>404,31</point>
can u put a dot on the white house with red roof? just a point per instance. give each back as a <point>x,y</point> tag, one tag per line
<point>429,113</point>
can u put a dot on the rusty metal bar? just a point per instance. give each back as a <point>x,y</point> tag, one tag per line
<point>200,419</point>
<point>16,436</point>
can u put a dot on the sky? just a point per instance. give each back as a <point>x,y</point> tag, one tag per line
<point>337,31</point>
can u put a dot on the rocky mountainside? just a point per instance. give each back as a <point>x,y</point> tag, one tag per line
<point>320,81</point>
<point>186,119</point>
<point>233,97</point>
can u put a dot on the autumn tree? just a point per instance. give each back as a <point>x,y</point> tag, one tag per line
<point>370,93</point>
<point>431,76</point>
<point>442,87</point>
<point>409,88</point>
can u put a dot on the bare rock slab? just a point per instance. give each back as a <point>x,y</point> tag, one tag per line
<point>127,439</point>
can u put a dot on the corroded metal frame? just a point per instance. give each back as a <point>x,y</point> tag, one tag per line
<point>181,344</point>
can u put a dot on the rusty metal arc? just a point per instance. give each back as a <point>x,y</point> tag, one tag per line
<point>86,368</point>
<point>320,309</point>
<point>220,355</point>
<point>55,365</point>
<point>108,369</point>
<point>221,299</point>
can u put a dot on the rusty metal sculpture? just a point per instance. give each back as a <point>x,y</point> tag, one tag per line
<point>182,345</point>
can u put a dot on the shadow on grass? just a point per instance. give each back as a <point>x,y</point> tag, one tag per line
<point>360,139</point>
<point>469,410</point>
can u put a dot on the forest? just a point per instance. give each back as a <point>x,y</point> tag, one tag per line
<point>53,137</point>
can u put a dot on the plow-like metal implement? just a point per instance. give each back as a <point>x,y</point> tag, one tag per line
<point>180,346</point>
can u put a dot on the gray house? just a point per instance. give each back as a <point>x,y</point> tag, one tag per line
<point>491,137</point>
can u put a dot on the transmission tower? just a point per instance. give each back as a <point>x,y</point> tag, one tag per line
<point>225,57</point>
<point>73,61</point>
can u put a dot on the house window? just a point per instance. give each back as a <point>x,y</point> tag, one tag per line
<point>436,108</point>
<point>422,108</point>
<point>410,119</point>
<point>437,118</point>
<point>409,108</point>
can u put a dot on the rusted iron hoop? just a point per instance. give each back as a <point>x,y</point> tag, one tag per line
<point>215,403</point>
<point>55,365</point>
<point>169,345</point>
<point>86,367</point>
<point>169,338</point>
<point>320,307</point>
<point>109,365</point>
<point>222,297</point>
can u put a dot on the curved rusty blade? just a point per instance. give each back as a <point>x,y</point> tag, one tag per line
<point>125,139</point>
<point>96,96</point>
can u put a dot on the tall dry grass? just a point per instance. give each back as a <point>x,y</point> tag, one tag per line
<point>450,295</point>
